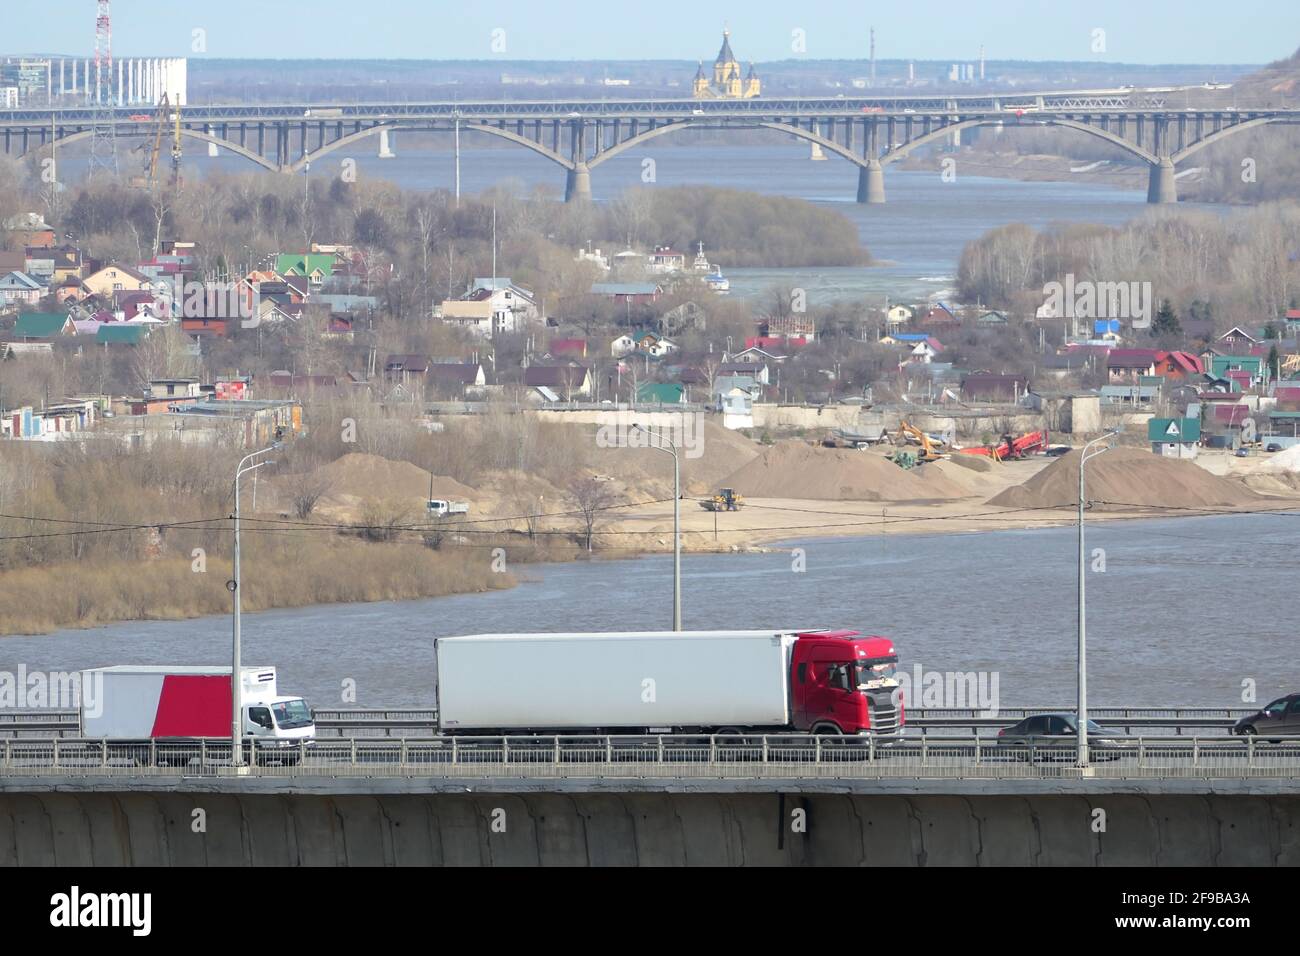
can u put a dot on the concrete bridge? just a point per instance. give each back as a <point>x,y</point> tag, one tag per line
<point>579,135</point>
<point>777,800</point>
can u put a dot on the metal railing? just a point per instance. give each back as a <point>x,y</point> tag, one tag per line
<point>664,757</point>
<point>423,722</point>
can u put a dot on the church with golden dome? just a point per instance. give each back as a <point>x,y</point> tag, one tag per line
<point>726,82</point>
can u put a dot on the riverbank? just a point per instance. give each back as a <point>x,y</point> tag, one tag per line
<point>304,570</point>
<point>973,161</point>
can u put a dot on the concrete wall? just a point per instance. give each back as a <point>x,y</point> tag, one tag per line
<point>647,829</point>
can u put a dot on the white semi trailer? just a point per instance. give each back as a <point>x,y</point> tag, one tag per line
<point>668,682</point>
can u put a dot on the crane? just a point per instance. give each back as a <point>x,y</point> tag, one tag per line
<point>152,148</point>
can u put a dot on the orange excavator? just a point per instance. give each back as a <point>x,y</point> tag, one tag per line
<point>1029,443</point>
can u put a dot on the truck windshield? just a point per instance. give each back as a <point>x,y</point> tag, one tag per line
<point>878,672</point>
<point>291,713</point>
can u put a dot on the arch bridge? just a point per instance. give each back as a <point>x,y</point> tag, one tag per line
<point>579,136</point>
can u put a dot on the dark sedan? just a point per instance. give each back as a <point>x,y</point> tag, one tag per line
<point>1055,737</point>
<point>1279,719</point>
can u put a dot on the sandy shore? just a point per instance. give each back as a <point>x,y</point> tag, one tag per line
<point>763,522</point>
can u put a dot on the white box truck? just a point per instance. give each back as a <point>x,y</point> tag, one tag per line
<point>166,702</point>
<point>668,682</point>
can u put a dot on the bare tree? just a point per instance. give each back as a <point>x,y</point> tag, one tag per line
<point>305,490</point>
<point>591,498</point>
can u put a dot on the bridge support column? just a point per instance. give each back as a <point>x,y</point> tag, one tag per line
<point>1162,187</point>
<point>385,147</point>
<point>871,183</point>
<point>577,184</point>
<point>212,147</point>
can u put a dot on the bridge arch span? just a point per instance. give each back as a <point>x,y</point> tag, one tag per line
<point>1219,134</point>
<point>235,148</point>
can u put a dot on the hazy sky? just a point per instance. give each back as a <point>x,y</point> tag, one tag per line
<point>1136,31</point>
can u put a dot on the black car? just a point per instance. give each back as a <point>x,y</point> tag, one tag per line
<point>1054,736</point>
<point>1281,718</point>
<point>1273,446</point>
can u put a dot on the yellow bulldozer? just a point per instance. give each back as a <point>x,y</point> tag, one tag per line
<point>727,499</point>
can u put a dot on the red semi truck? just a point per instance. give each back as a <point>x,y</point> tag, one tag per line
<point>663,682</point>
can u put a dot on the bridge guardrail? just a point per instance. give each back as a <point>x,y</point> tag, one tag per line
<point>795,756</point>
<point>395,722</point>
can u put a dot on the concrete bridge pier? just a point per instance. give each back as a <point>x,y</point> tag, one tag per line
<point>212,147</point>
<point>871,183</point>
<point>1162,187</point>
<point>385,146</point>
<point>577,184</point>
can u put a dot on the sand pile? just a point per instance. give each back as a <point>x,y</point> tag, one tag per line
<point>1127,477</point>
<point>798,470</point>
<point>716,453</point>
<point>362,476</point>
<point>1286,461</point>
<point>971,474</point>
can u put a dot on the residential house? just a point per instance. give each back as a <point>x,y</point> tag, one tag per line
<point>661,393</point>
<point>988,387</point>
<point>937,315</point>
<point>1134,394</point>
<point>407,369</point>
<point>1174,437</point>
<point>474,317</point>
<point>757,371</point>
<point>1235,341</point>
<point>628,293</point>
<point>18,288</point>
<point>1255,367</point>
<point>120,334</point>
<point>992,319</point>
<point>898,315</point>
<point>1179,365</point>
<point>621,346</point>
<point>568,348</point>
<point>752,352</point>
<point>665,260</point>
<point>43,326</point>
<point>29,229</point>
<point>174,388</point>
<point>115,277</point>
<point>566,382</point>
<point>315,267</point>
<point>1126,365</point>
<point>457,379</point>
<point>71,290</point>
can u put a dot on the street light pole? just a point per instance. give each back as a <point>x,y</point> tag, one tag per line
<point>236,689</point>
<point>1081,732</point>
<point>671,449</point>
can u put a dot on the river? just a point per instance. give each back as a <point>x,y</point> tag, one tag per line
<point>917,235</point>
<point>1185,611</point>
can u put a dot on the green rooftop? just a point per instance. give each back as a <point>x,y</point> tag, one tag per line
<point>1174,430</point>
<point>120,334</point>
<point>40,325</point>
<point>664,393</point>
<point>304,264</point>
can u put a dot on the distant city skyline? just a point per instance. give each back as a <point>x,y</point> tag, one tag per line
<point>1155,32</point>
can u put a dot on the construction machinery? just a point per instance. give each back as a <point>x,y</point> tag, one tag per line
<point>843,438</point>
<point>727,499</point>
<point>930,446</point>
<point>1030,443</point>
<point>152,147</point>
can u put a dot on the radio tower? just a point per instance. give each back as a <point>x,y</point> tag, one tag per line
<point>103,138</point>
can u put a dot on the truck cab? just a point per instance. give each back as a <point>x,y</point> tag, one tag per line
<point>279,721</point>
<point>845,683</point>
